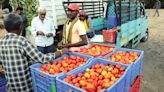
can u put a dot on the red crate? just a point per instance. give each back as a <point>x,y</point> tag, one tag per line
<point>110,35</point>
<point>136,85</point>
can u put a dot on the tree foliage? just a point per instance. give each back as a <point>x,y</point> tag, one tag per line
<point>30,7</point>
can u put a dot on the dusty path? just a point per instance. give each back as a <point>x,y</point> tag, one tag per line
<point>153,67</point>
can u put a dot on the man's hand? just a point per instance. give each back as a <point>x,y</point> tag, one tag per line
<point>65,50</point>
<point>65,46</point>
<point>40,33</point>
<point>49,35</point>
<point>60,45</point>
<point>61,52</point>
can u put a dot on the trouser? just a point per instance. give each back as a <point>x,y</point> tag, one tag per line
<point>156,12</point>
<point>48,49</point>
<point>24,33</point>
<point>90,34</point>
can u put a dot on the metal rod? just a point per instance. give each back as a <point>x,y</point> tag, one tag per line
<point>136,9</point>
<point>94,8</point>
<point>99,8</point>
<point>82,6</point>
<point>116,12</point>
<point>120,3</point>
<point>129,11</point>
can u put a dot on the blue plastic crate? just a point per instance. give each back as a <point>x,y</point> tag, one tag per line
<point>136,66</point>
<point>2,82</point>
<point>3,89</point>
<point>121,85</point>
<point>43,82</point>
<point>3,85</point>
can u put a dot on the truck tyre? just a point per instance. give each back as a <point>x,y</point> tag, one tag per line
<point>145,38</point>
<point>129,45</point>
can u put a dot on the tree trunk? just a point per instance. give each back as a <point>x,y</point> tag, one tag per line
<point>1,1</point>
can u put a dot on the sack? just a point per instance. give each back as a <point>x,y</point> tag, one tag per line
<point>90,34</point>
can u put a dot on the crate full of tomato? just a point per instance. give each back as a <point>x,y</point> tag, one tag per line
<point>127,57</point>
<point>97,50</point>
<point>97,76</point>
<point>44,75</point>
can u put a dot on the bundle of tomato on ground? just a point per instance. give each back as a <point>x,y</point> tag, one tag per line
<point>65,65</point>
<point>124,57</point>
<point>97,50</point>
<point>96,78</point>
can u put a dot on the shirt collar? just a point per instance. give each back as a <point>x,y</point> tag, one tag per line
<point>44,19</point>
<point>11,34</point>
<point>69,20</point>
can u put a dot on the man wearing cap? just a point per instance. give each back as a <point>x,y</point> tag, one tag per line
<point>19,11</point>
<point>74,33</point>
<point>87,22</point>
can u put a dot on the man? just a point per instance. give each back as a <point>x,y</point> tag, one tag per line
<point>2,31</point>
<point>87,22</point>
<point>74,33</point>
<point>2,28</point>
<point>17,54</point>
<point>157,6</point>
<point>43,30</point>
<point>19,11</point>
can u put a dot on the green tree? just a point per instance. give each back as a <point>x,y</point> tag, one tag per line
<point>30,7</point>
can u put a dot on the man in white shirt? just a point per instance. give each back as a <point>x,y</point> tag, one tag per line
<point>43,30</point>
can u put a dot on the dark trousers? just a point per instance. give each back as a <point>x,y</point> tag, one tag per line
<point>24,33</point>
<point>90,34</point>
<point>156,12</point>
<point>48,49</point>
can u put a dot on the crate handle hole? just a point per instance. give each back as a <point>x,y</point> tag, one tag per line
<point>42,76</point>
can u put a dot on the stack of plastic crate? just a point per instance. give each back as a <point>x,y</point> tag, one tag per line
<point>44,82</point>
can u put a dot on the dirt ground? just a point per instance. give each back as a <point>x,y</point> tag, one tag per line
<point>153,66</point>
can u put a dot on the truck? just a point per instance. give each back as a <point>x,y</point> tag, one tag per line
<point>128,16</point>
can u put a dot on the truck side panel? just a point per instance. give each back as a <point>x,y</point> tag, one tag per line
<point>132,27</point>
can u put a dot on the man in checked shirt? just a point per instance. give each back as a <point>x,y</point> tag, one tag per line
<point>17,54</point>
